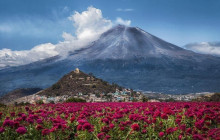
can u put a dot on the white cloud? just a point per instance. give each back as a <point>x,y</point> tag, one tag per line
<point>124,10</point>
<point>90,22</point>
<point>205,48</point>
<point>123,22</point>
<point>89,25</point>
<point>14,58</point>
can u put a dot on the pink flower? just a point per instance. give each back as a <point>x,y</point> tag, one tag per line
<point>87,126</point>
<point>107,137</point>
<point>12,114</point>
<point>189,130</point>
<point>8,122</point>
<point>178,121</point>
<point>21,130</point>
<point>39,127</point>
<point>199,124</point>
<point>2,130</point>
<point>111,125</point>
<point>79,127</point>
<point>72,119</point>
<point>30,120</point>
<point>164,116</point>
<point>183,127</point>
<point>45,132</point>
<point>101,135</point>
<point>144,131</point>
<point>161,134</point>
<point>16,124</point>
<point>27,108</point>
<point>170,130</point>
<point>122,128</point>
<point>39,121</point>
<point>135,127</point>
<point>105,129</point>
<point>105,120</point>
<point>197,137</point>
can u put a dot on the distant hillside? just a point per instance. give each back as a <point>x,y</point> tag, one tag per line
<point>209,98</point>
<point>77,82</point>
<point>18,93</point>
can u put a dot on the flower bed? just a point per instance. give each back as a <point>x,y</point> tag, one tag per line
<point>116,121</point>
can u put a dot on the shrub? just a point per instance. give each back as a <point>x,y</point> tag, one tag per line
<point>52,102</point>
<point>21,103</point>
<point>2,105</point>
<point>144,99</point>
<point>170,100</point>
<point>72,99</point>
<point>39,102</point>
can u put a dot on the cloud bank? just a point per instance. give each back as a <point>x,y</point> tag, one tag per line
<point>15,58</point>
<point>205,48</point>
<point>89,25</point>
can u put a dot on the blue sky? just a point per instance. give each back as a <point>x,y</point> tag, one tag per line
<point>27,23</point>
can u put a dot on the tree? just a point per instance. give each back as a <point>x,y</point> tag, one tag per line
<point>2,105</point>
<point>144,99</point>
<point>97,95</point>
<point>170,100</point>
<point>72,99</point>
<point>39,102</point>
<point>134,100</point>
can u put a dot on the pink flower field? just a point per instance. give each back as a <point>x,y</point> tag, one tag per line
<point>112,121</point>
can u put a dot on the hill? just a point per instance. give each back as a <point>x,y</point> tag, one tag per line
<point>215,97</point>
<point>18,93</point>
<point>77,82</point>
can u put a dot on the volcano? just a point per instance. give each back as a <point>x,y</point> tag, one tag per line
<point>130,57</point>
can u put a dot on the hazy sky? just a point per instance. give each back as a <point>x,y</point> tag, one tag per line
<point>27,23</point>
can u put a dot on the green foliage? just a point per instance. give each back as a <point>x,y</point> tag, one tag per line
<point>97,95</point>
<point>52,102</point>
<point>170,100</point>
<point>72,99</point>
<point>2,105</point>
<point>144,99</point>
<point>39,102</point>
<point>21,103</point>
<point>134,100</point>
